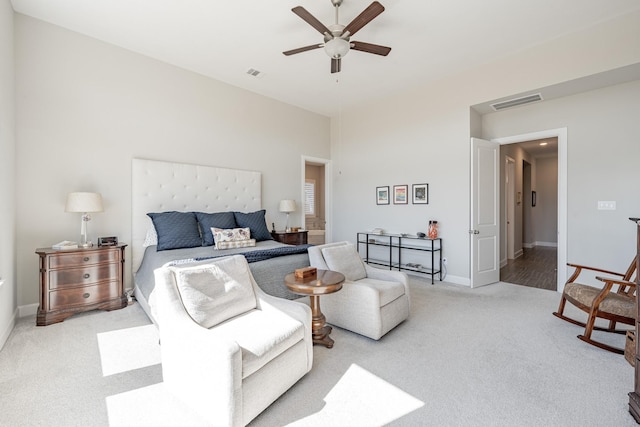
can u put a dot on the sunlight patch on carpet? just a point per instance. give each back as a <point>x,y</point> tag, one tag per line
<point>149,406</point>
<point>128,349</point>
<point>362,399</point>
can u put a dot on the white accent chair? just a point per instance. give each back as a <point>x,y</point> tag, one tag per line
<point>372,301</point>
<point>228,349</point>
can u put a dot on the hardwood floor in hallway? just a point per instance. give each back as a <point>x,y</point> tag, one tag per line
<point>536,268</point>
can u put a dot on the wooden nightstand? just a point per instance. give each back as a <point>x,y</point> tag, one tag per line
<point>77,280</point>
<point>290,238</point>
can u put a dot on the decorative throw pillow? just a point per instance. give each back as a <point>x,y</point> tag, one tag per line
<point>231,234</point>
<point>176,230</point>
<point>345,259</point>
<point>218,220</point>
<point>235,244</point>
<point>232,238</point>
<point>256,222</point>
<point>216,291</point>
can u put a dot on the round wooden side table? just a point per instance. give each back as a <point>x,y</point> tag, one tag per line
<point>325,282</point>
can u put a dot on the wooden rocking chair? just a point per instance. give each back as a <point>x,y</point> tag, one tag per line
<point>615,305</point>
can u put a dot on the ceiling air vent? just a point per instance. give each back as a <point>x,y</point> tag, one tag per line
<point>255,73</point>
<point>516,101</point>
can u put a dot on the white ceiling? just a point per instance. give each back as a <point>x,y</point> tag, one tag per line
<point>224,39</point>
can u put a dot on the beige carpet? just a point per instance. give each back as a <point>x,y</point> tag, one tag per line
<point>493,356</point>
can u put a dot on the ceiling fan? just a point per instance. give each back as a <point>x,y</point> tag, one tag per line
<point>337,37</point>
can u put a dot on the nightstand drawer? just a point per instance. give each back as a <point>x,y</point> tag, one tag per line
<point>77,259</point>
<point>74,277</point>
<point>66,298</point>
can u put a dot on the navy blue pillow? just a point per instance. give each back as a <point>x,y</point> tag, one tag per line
<point>224,220</point>
<point>256,223</point>
<point>176,230</point>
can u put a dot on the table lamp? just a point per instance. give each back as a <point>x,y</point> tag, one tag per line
<point>287,206</point>
<point>84,203</point>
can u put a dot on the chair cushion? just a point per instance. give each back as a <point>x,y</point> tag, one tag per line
<point>613,303</point>
<point>345,259</point>
<point>389,291</point>
<point>214,292</point>
<point>262,336</point>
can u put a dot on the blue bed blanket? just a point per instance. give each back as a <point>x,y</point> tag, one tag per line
<point>254,256</point>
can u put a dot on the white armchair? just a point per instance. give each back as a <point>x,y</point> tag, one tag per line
<point>372,301</point>
<point>228,349</point>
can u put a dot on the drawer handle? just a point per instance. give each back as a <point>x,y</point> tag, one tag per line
<point>85,259</point>
<point>86,275</point>
<point>85,295</point>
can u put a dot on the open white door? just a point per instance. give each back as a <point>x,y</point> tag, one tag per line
<point>485,214</point>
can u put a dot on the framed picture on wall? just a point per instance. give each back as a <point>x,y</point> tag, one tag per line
<point>420,194</point>
<point>382,195</point>
<point>400,194</point>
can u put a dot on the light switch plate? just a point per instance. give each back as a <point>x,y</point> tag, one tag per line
<point>606,205</point>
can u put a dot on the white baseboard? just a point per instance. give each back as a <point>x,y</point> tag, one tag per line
<point>27,310</point>
<point>518,253</point>
<point>7,331</point>
<point>448,278</point>
<point>549,244</point>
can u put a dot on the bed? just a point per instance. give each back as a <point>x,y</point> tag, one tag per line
<point>174,191</point>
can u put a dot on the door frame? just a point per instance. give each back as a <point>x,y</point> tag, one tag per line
<point>510,208</point>
<point>328,192</point>
<point>561,134</point>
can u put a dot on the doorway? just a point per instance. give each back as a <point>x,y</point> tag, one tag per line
<point>531,231</point>
<point>315,199</point>
<point>531,218</point>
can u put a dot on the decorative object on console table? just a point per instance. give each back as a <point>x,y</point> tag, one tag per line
<point>78,280</point>
<point>634,396</point>
<point>287,206</point>
<point>291,238</point>
<point>84,203</point>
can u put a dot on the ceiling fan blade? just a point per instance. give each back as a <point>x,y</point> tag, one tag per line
<point>370,48</point>
<point>310,19</point>
<point>364,18</point>
<point>336,64</point>
<point>302,49</point>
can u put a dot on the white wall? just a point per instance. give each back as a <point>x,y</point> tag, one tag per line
<point>423,136</point>
<point>603,152</point>
<point>8,290</point>
<point>86,108</point>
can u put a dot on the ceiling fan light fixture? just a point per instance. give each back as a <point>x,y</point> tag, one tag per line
<point>337,48</point>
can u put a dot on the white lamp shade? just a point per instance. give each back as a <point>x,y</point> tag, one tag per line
<point>84,202</point>
<point>287,206</point>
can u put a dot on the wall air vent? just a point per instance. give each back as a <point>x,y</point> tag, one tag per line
<point>255,73</point>
<point>516,101</point>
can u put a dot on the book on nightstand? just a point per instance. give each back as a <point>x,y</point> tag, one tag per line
<point>65,244</point>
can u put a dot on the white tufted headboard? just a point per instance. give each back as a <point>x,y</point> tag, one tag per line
<point>164,186</point>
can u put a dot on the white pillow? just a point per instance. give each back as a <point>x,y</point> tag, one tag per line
<point>151,239</point>
<point>345,259</point>
<point>216,291</point>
